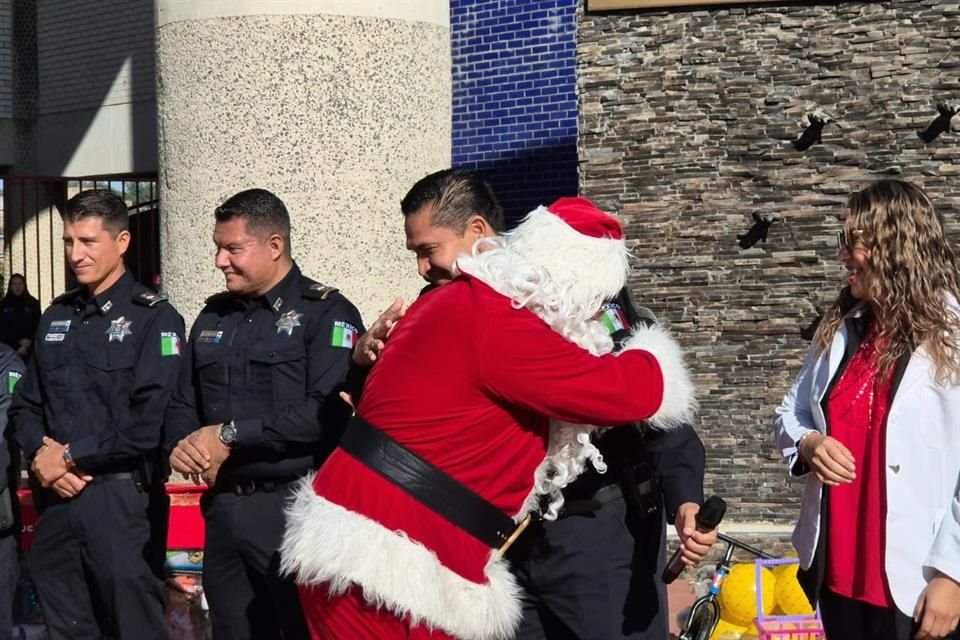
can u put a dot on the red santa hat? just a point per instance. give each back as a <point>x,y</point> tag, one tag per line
<point>580,247</point>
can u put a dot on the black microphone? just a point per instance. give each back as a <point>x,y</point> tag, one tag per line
<point>709,516</point>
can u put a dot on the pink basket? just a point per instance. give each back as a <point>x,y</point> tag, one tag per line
<point>802,627</point>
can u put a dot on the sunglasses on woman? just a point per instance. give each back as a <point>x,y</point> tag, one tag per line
<point>844,243</point>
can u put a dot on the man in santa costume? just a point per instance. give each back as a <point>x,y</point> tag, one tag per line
<point>474,408</point>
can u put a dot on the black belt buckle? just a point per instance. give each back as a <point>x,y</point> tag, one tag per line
<point>244,487</point>
<point>250,487</point>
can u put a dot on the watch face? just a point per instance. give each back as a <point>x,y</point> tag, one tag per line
<point>228,433</point>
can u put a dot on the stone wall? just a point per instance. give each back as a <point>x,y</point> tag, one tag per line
<point>687,122</point>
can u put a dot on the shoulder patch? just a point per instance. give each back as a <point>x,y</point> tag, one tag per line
<point>217,297</point>
<point>319,291</point>
<point>13,377</point>
<point>149,298</point>
<point>67,295</point>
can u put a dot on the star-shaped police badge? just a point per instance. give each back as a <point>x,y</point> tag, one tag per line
<point>119,329</point>
<point>288,321</point>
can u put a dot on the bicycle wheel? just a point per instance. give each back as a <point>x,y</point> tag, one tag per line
<point>703,619</point>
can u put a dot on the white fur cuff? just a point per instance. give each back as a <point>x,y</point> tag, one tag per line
<point>679,396</point>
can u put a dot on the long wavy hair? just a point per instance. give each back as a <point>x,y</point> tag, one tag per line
<point>913,282</point>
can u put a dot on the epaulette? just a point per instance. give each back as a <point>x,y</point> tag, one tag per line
<point>319,291</point>
<point>149,298</point>
<point>67,295</point>
<point>217,297</point>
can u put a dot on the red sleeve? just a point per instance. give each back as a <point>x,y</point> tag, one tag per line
<point>527,364</point>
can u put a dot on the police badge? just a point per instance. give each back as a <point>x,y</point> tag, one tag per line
<point>288,321</point>
<point>119,329</point>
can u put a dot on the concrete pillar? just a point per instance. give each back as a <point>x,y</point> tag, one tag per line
<point>337,106</point>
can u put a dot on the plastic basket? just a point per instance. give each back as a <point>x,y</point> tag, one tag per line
<point>774,627</point>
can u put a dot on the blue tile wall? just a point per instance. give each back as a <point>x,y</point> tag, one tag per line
<point>514,97</point>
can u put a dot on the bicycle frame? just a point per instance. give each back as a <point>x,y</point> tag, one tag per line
<point>705,612</point>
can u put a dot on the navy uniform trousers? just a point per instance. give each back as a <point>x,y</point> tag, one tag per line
<point>611,590</point>
<point>111,537</point>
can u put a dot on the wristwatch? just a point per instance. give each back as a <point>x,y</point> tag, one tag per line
<point>67,457</point>
<point>228,433</point>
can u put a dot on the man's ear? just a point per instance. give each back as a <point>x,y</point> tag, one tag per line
<point>277,246</point>
<point>478,227</point>
<point>123,239</point>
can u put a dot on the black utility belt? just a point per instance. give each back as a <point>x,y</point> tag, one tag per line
<point>111,477</point>
<point>634,482</point>
<point>250,487</point>
<point>430,486</point>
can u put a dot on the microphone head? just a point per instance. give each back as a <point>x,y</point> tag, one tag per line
<point>711,513</point>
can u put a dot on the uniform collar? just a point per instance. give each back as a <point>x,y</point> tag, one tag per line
<point>107,300</point>
<point>284,293</point>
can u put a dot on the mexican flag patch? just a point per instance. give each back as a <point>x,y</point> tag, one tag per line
<point>613,318</point>
<point>12,379</point>
<point>344,335</point>
<point>169,343</point>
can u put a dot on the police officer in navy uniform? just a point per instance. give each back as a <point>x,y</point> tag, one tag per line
<point>594,572</point>
<point>88,416</point>
<point>11,371</point>
<point>257,408</point>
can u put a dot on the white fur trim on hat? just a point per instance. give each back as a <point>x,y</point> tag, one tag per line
<point>584,266</point>
<point>679,403</point>
<point>326,543</point>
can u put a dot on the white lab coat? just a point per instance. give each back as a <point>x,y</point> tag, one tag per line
<point>922,469</point>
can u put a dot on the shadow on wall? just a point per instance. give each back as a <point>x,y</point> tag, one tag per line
<point>68,63</point>
<point>524,180</point>
<point>67,106</point>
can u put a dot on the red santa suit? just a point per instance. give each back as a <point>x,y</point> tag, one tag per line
<point>468,382</point>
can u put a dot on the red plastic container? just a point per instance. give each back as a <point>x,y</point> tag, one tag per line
<point>186,530</point>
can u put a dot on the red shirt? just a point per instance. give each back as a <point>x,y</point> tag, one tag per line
<point>857,410</point>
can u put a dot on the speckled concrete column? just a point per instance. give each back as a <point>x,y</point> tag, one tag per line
<point>335,106</point>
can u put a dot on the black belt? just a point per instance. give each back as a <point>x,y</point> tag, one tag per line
<point>427,484</point>
<point>110,477</point>
<point>584,506</point>
<point>250,487</point>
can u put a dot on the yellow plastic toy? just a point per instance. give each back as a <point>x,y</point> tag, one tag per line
<point>790,598</point>
<point>726,630</point>
<point>738,598</point>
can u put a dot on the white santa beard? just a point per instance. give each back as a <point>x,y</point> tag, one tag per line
<point>569,447</point>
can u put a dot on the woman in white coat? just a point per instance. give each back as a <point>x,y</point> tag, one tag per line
<point>873,423</point>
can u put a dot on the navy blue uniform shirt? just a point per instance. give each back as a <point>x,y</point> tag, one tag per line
<point>102,373</point>
<point>11,371</point>
<point>274,365</point>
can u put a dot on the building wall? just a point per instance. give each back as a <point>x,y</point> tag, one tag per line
<point>6,59</point>
<point>337,107</point>
<point>97,100</point>
<point>687,124</point>
<point>514,97</point>
<point>7,128</point>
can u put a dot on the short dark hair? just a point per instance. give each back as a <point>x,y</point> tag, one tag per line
<point>456,196</point>
<point>263,212</point>
<point>98,203</point>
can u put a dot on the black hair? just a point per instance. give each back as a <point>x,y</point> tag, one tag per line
<point>263,212</point>
<point>98,203</point>
<point>456,196</point>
